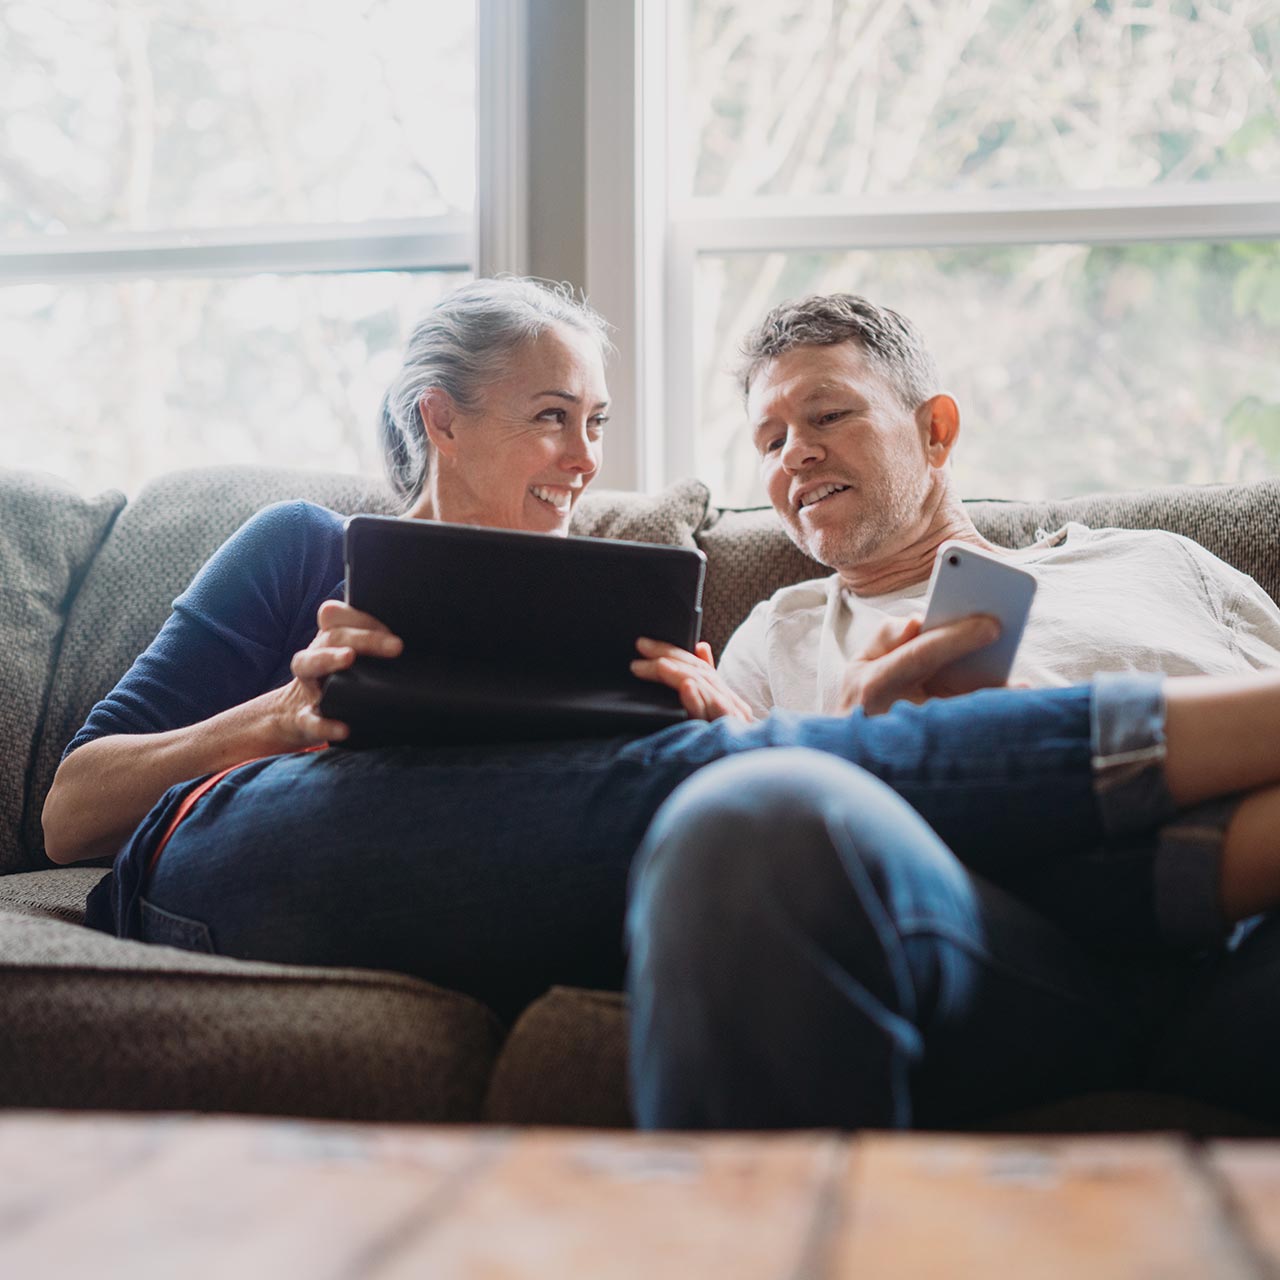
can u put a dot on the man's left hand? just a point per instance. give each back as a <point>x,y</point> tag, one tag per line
<point>903,664</point>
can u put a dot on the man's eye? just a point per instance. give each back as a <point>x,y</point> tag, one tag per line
<point>773,445</point>
<point>834,416</point>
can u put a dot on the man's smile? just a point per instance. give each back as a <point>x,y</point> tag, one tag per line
<point>813,494</point>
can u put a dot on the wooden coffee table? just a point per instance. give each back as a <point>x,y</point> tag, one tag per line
<point>179,1197</point>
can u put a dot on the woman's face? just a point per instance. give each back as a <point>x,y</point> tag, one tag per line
<point>525,458</point>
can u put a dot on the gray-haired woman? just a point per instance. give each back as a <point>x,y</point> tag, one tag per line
<point>494,419</point>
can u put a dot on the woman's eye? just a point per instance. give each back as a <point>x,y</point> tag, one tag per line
<point>552,415</point>
<point>597,423</point>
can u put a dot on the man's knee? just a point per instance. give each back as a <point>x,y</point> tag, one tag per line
<point>747,838</point>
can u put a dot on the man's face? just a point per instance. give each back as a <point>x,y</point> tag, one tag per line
<point>845,463</point>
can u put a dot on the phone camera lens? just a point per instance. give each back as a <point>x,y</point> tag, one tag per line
<point>953,559</point>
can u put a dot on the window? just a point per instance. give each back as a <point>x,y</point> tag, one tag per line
<point>1077,202</point>
<point>218,220</point>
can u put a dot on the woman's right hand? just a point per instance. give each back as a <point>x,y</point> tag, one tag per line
<point>344,632</point>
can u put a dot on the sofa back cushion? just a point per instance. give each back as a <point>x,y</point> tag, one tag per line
<point>177,522</point>
<point>749,557</point>
<point>48,537</point>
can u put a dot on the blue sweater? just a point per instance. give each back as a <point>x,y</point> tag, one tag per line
<point>234,630</point>
<point>231,637</point>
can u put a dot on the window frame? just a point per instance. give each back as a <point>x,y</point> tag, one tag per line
<point>494,239</point>
<point>642,275</point>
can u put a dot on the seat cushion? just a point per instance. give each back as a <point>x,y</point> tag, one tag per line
<point>564,1063</point>
<point>93,1022</point>
<point>48,537</point>
<point>58,894</point>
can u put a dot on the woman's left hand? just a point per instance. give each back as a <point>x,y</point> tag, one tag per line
<point>703,693</point>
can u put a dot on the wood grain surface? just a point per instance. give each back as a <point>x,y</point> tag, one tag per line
<point>144,1197</point>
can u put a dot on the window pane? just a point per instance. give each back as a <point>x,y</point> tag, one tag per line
<point>1076,367</point>
<point>110,384</point>
<point>233,112</point>
<point>788,97</point>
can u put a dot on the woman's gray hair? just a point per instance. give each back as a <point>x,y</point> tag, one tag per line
<point>890,340</point>
<point>462,345</point>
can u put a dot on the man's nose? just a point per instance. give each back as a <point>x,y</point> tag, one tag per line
<point>801,450</point>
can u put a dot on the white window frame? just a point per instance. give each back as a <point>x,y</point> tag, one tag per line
<point>645,233</point>
<point>494,239</point>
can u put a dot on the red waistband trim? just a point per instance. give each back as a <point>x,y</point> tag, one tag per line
<point>193,797</point>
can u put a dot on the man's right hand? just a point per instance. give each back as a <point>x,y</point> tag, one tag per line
<point>903,663</point>
<point>344,633</point>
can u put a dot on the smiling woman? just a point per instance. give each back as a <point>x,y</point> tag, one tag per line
<point>494,419</point>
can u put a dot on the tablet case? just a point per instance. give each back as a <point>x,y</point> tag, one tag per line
<point>509,636</point>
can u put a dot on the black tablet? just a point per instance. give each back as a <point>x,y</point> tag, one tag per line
<point>510,636</point>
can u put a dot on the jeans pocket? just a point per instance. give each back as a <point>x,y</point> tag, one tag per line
<point>166,929</point>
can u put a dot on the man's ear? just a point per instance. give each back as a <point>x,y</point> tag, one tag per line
<point>939,422</point>
<point>438,415</point>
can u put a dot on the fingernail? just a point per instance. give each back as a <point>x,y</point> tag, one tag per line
<point>644,644</point>
<point>635,664</point>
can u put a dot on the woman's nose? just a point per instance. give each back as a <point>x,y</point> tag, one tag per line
<point>581,453</point>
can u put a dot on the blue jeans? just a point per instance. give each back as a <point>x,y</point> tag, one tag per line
<point>807,951</point>
<point>501,871</point>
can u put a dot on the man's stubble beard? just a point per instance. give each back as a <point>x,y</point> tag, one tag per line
<point>889,519</point>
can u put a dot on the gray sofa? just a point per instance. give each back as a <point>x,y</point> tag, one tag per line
<point>93,1022</point>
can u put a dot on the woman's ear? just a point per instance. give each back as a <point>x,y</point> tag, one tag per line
<point>438,416</point>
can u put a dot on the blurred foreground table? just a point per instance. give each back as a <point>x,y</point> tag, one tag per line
<point>168,1197</point>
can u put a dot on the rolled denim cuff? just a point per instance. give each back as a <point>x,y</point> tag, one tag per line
<point>1133,795</point>
<point>1129,752</point>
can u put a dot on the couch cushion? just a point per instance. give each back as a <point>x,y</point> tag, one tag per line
<point>57,895</point>
<point>48,537</point>
<point>1237,522</point>
<point>177,522</point>
<point>565,1062</point>
<point>93,1022</point>
<point>749,557</point>
<point>672,517</point>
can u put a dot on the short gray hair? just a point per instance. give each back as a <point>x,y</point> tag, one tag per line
<point>462,345</point>
<point>891,341</point>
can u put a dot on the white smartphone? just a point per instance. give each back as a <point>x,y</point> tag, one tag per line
<point>966,581</point>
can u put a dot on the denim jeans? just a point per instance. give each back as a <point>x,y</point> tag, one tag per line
<point>500,871</point>
<point>806,950</point>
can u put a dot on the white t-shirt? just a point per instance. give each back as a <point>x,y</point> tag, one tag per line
<point>1107,600</point>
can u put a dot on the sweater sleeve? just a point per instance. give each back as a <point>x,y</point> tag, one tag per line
<point>235,629</point>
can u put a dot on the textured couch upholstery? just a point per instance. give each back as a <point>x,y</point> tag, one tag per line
<point>90,1021</point>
